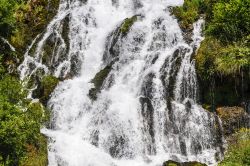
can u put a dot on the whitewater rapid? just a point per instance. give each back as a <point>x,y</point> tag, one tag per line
<point>146,111</point>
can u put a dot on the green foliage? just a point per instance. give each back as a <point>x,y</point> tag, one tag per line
<point>231,20</point>
<point>36,156</point>
<point>11,90</point>
<point>49,83</point>
<point>7,19</point>
<point>188,13</point>
<point>2,68</point>
<point>233,60</point>
<point>21,142</point>
<point>20,121</point>
<point>31,18</point>
<point>45,87</point>
<point>206,57</point>
<point>239,150</point>
<point>216,58</point>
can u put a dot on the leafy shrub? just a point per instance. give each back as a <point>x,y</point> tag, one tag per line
<point>188,13</point>
<point>45,87</point>
<point>231,20</point>
<point>7,19</point>
<point>20,121</point>
<point>239,149</point>
<point>233,60</point>
<point>206,57</point>
<point>32,17</point>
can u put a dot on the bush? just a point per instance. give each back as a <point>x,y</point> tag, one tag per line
<point>233,60</point>
<point>231,20</point>
<point>45,87</point>
<point>188,13</point>
<point>239,149</point>
<point>206,57</point>
<point>20,121</point>
<point>7,19</point>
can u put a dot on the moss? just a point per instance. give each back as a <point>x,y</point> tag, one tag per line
<point>127,24</point>
<point>233,60</point>
<point>49,83</point>
<point>220,68</point>
<point>98,82</point>
<point>188,13</point>
<point>238,149</point>
<point>206,56</point>
<point>174,163</point>
<point>32,18</point>
<point>45,87</point>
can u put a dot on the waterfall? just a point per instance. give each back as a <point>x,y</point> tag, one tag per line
<point>129,95</point>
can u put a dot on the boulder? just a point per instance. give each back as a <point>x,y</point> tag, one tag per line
<point>191,163</point>
<point>233,119</point>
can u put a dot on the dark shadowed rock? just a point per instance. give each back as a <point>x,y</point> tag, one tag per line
<point>191,163</point>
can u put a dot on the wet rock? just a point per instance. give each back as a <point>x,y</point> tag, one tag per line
<point>191,163</point>
<point>233,118</point>
<point>148,121</point>
<point>98,82</point>
<point>188,33</point>
<point>45,87</point>
<point>127,24</point>
<point>114,40</point>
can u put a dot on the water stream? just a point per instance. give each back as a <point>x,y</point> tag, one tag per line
<point>146,110</point>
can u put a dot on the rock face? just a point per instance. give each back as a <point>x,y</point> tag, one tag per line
<point>233,118</point>
<point>45,87</point>
<point>174,163</point>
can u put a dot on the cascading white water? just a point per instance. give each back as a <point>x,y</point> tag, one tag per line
<point>146,111</point>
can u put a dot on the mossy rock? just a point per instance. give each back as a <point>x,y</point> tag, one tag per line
<point>127,24</point>
<point>98,81</point>
<point>45,87</point>
<point>174,163</point>
<point>233,118</point>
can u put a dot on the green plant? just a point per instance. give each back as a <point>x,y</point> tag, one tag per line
<point>7,19</point>
<point>206,57</point>
<point>239,149</point>
<point>20,121</point>
<point>45,87</point>
<point>233,60</point>
<point>231,20</point>
<point>188,13</point>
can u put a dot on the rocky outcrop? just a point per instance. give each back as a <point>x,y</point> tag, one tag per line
<point>45,87</point>
<point>233,119</point>
<point>111,54</point>
<point>174,163</point>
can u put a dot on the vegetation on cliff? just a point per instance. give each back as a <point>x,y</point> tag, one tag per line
<point>223,65</point>
<point>21,119</point>
<point>224,55</point>
<point>238,153</point>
